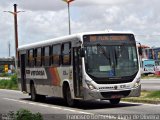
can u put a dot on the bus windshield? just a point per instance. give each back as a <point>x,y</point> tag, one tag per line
<point>104,61</point>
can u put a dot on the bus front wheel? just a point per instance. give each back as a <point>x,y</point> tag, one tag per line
<point>67,96</point>
<point>115,101</point>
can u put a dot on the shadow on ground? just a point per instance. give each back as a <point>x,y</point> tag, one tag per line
<point>85,105</point>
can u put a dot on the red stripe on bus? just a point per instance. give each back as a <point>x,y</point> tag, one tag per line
<point>54,76</point>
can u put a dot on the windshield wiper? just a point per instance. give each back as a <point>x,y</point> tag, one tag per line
<point>104,53</point>
<point>116,58</point>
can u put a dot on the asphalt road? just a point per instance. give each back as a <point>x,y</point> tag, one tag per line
<point>150,84</point>
<point>55,108</point>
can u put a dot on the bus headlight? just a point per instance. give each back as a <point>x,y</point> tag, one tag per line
<point>137,84</point>
<point>90,85</point>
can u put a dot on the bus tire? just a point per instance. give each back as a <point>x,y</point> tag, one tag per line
<point>34,96</point>
<point>115,101</point>
<point>67,96</point>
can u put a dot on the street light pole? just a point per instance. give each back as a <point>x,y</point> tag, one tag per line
<point>69,23</point>
<point>15,30</point>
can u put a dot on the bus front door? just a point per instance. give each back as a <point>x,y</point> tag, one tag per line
<point>23,76</point>
<point>77,69</point>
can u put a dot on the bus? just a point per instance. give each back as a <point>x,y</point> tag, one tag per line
<point>84,66</point>
<point>148,66</point>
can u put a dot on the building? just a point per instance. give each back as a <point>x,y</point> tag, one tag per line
<point>7,65</point>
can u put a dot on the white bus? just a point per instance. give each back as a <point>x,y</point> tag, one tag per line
<point>85,66</point>
<point>148,66</point>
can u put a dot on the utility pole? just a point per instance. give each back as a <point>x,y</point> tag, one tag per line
<point>15,30</point>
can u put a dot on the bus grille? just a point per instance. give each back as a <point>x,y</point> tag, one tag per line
<point>112,81</point>
<point>118,93</point>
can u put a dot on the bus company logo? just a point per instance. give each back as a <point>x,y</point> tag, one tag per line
<point>41,73</point>
<point>115,87</point>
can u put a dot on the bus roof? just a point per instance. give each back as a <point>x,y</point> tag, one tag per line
<point>148,60</point>
<point>67,38</point>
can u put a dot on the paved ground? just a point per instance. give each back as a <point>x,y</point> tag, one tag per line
<point>55,108</point>
<point>150,84</point>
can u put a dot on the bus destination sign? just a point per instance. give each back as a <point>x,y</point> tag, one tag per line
<point>94,38</point>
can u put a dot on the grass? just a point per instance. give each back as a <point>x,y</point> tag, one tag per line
<point>23,114</point>
<point>154,94</point>
<point>4,75</point>
<point>9,84</point>
<point>152,97</point>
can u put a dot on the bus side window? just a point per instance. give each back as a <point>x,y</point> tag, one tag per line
<point>31,58</point>
<point>66,54</point>
<point>56,55</point>
<point>35,56</point>
<point>27,58</point>
<point>46,56</point>
<point>38,61</point>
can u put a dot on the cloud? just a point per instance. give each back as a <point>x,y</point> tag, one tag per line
<point>48,19</point>
<point>55,5</point>
<point>36,5</point>
<point>45,25</point>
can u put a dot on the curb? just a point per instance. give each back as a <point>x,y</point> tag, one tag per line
<point>141,101</point>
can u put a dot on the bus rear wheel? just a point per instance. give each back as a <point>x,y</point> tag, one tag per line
<point>115,101</point>
<point>34,96</point>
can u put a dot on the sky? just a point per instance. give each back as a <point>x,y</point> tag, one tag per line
<point>46,19</point>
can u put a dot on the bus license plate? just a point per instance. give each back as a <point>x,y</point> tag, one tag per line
<point>116,96</point>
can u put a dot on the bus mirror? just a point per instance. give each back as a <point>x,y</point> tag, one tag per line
<point>82,52</point>
<point>140,50</point>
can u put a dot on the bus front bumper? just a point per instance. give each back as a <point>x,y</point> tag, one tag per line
<point>111,94</point>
